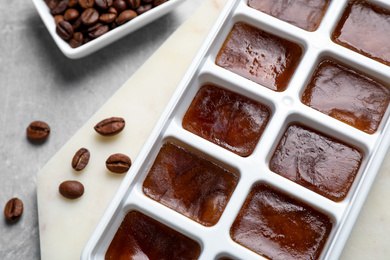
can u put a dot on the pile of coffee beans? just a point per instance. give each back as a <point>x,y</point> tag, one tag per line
<point>79,21</point>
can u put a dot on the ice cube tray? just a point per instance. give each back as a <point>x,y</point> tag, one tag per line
<point>285,108</point>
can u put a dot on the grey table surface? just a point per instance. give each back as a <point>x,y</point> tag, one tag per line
<point>37,82</point>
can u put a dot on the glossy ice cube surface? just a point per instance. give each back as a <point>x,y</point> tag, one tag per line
<point>317,162</point>
<point>190,184</point>
<point>347,95</point>
<point>227,119</point>
<point>259,56</point>
<point>279,227</point>
<point>305,14</point>
<point>365,28</point>
<point>141,237</point>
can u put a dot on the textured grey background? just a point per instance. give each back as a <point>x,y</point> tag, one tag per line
<point>37,82</point>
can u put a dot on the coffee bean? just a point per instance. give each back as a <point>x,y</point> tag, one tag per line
<point>77,40</point>
<point>110,126</point>
<point>13,209</point>
<point>58,18</point>
<point>89,16</point>
<point>71,189</point>
<point>38,130</point>
<point>133,4</point>
<point>158,2</point>
<point>80,159</point>
<point>57,6</point>
<point>65,30</point>
<point>109,17</point>
<point>144,8</point>
<point>87,39</point>
<point>97,30</point>
<point>76,24</point>
<point>86,3</point>
<point>73,3</point>
<point>125,16</point>
<point>84,15</point>
<point>71,14</point>
<point>104,4</point>
<point>120,5</point>
<point>118,163</point>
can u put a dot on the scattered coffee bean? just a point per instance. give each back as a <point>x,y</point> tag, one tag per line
<point>80,159</point>
<point>110,126</point>
<point>97,30</point>
<point>81,15</point>
<point>125,16</point>
<point>38,130</point>
<point>118,163</point>
<point>13,209</point>
<point>65,30</point>
<point>71,189</point>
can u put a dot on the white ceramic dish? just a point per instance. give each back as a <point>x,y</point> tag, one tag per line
<point>109,37</point>
<point>285,107</point>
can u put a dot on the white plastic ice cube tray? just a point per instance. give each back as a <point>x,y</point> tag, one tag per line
<point>285,107</point>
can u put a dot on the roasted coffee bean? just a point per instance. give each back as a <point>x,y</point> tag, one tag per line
<point>104,4</point>
<point>83,16</point>
<point>118,163</point>
<point>144,8</point>
<point>110,16</point>
<point>13,209</point>
<point>86,3</point>
<point>38,130</point>
<point>71,189</point>
<point>158,2</point>
<point>80,159</point>
<point>89,16</point>
<point>110,126</point>
<point>98,30</point>
<point>76,24</point>
<point>65,30</point>
<point>57,6</point>
<point>77,40</point>
<point>71,14</point>
<point>133,4</point>
<point>58,18</point>
<point>120,5</point>
<point>87,39</point>
<point>73,3</point>
<point>125,16</point>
